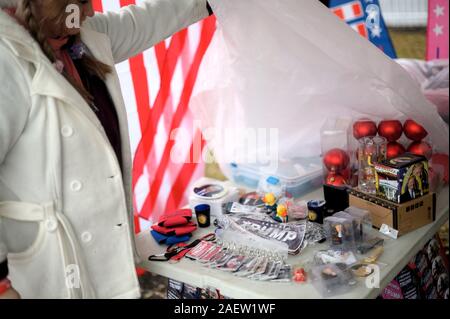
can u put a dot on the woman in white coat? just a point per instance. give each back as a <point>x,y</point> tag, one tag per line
<point>66,220</point>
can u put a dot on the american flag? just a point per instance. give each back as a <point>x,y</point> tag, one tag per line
<point>157,86</point>
<point>437,37</point>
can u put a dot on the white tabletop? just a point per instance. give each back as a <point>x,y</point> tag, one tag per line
<point>397,253</point>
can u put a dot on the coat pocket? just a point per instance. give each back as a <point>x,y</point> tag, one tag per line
<point>32,250</point>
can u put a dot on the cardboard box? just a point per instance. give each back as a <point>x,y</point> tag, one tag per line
<point>404,217</point>
<point>403,178</point>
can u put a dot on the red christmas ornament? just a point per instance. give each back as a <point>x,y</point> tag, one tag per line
<point>334,179</point>
<point>336,160</point>
<point>421,148</point>
<point>391,129</point>
<point>394,149</point>
<point>414,131</point>
<point>363,128</point>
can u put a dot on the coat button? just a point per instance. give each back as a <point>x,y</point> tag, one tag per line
<point>86,237</point>
<point>76,186</point>
<point>51,224</point>
<point>67,131</point>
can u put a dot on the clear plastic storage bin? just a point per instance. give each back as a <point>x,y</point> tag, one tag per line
<point>299,176</point>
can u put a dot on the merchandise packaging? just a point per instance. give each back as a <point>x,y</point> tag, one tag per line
<point>323,257</point>
<point>213,193</point>
<point>340,233</point>
<point>335,152</point>
<point>364,220</point>
<point>244,255</point>
<point>402,179</point>
<point>332,279</point>
<point>355,224</point>
<point>291,234</point>
<point>295,66</point>
<point>314,233</point>
<point>371,150</point>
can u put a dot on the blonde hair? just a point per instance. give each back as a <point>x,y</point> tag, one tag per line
<point>54,20</point>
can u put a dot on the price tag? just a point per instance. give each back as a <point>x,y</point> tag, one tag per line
<point>389,231</point>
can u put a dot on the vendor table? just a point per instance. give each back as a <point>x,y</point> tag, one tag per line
<point>397,253</point>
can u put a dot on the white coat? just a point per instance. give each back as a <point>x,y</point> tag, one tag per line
<point>65,206</point>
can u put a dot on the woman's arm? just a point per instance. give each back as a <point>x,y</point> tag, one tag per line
<point>136,28</point>
<point>15,102</point>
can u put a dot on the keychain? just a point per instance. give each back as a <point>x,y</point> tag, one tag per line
<point>233,263</point>
<point>285,274</point>
<point>247,266</point>
<point>213,251</point>
<point>200,250</point>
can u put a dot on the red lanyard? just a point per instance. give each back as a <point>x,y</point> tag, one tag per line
<point>176,252</point>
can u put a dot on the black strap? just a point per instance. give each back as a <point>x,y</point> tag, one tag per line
<point>175,249</point>
<point>4,270</point>
<point>209,9</point>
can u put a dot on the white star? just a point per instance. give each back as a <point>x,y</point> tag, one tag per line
<point>438,30</point>
<point>376,32</point>
<point>438,11</point>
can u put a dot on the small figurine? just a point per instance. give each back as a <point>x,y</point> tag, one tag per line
<point>271,203</point>
<point>300,275</point>
<point>281,214</point>
<point>328,273</point>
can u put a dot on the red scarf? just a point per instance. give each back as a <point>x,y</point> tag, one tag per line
<point>56,44</point>
<point>64,56</point>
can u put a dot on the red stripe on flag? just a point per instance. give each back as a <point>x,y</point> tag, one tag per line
<point>146,144</point>
<point>97,5</point>
<point>185,175</point>
<point>142,94</point>
<point>141,89</point>
<point>206,37</point>
<point>357,10</point>
<point>362,30</point>
<point>339,13</point>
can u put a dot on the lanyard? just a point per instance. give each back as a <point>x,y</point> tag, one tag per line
<point>176,252</point>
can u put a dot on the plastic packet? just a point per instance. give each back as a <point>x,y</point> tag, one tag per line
<point>340,233</point>
<point>323,257</point>
<point>332,279</point>
<point>200,250</point>
<point>232,264</point>
<point>356,223</point>
<point>364,219</point>
<point>314,233</point>
<point>297,209</point>
<point>285,274</point>
<point>273,185</point>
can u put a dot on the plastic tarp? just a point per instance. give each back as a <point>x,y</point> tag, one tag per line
<point>291,65</point>
<point>433,77</point>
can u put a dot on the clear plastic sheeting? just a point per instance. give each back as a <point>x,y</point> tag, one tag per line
<point>290,65</point>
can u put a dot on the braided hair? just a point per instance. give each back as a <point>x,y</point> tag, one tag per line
<point>26,12</point>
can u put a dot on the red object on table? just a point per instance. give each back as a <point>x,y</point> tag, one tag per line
<point>392,130</point>
<point>334,179</point>
<point>414,131</point>
<point>336,160</point>
<point>394,149</point>
<point>421,148</point>
<point>300,275</point>
<point>363,128</point>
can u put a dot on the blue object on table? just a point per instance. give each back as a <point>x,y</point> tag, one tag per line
<point>169,240</point>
